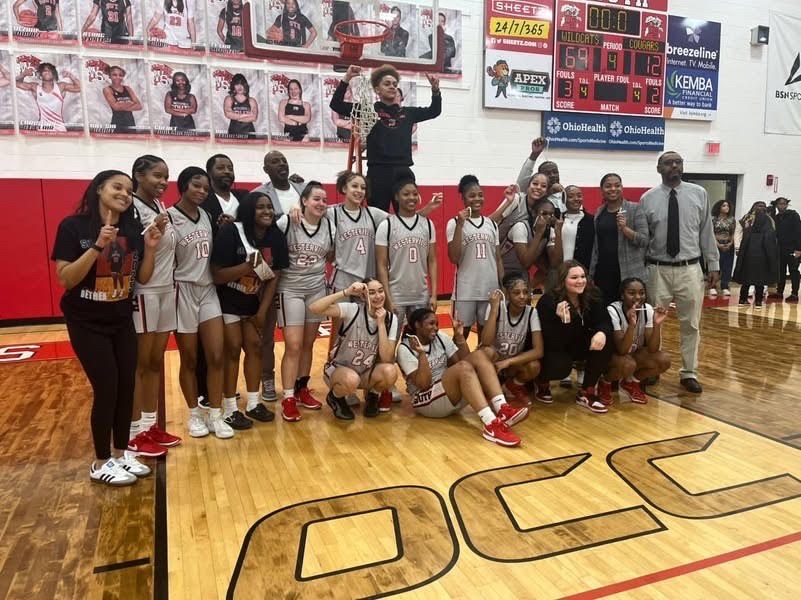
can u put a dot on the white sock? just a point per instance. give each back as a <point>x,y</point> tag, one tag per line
<point>486,415</point>
<point>632,378</point>
<point>135,428</point>
<point>253,400</point>
<point>288,394</point>
<point>498,401</point>
<point>148,420</point>
<point>229,404</point>
<point>517,382</point>
<point>194,412</point>
<point>215,414</point>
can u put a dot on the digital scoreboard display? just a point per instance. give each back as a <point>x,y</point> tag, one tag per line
<point>610,56</point>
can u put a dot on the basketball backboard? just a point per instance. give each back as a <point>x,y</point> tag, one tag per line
<point>304,31</point>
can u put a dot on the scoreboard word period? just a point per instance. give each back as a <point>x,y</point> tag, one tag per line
<point>610,56</point>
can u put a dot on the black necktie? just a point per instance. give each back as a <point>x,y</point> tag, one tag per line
<point>673,225</point>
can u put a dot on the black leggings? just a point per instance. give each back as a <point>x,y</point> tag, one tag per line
<point>109,360</point>
<point>557,364</point>
<point>381,181</point>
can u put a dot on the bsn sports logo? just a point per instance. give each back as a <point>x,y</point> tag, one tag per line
<point>794,77</point>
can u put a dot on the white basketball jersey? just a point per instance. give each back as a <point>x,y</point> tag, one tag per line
<point>162,278</point>
<point>355,240</point>
<point>357,344</point>
<point>477,274</point>
<point>175,26</point>
<point>308,246</point>
<point>438,351</point>
<point>407,248</point>
<point>193,246</point>
<point>511,333</point>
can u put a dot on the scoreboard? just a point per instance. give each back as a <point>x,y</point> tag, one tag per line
<point>609,56</point>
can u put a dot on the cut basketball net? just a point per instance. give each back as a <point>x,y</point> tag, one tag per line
<point>362,117</point>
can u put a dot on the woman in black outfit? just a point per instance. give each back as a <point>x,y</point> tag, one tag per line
<point>180,103</point>
<point>98,315</point>
<point>240,108</point>
<point>575,327</point>
<point>295,113</point>
<point>758,256</point>
<point>122,100</point>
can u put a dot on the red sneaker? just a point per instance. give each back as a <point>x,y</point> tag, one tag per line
<point>385,401</point>
<point>289,409</point>
<point>518,393</point>
<point>306,400</point>
<point>543,393</point>
<point>498,432</point>
<point>162,438</point>
<point>633,392</point>
<point>605,392</point>
<point>589,400</point>
<point>511,415</point>
<point>143,445</point>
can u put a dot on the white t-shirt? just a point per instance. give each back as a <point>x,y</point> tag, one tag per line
<point>569,231</point>
<point>519,234</point>
<point>228,207</point>
<point>620,323</point>
<point>287,199</point>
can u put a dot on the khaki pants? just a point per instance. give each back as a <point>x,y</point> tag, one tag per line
<point>685,287</point>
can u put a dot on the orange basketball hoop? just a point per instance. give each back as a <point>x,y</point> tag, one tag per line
<point>351,46</point>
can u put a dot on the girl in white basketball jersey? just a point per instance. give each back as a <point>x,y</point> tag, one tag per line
<point>311,244</point>
<point>365,348</point>
<point>198,307</point>
<point>442,376</point>
<point>637,336</point>
<point>406,255</point>
<point>511,336</point>
<point>473,248</point>
<point>179,23</point>
<point>154,309</point>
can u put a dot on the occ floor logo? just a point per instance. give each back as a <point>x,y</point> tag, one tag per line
<point>271,562</point>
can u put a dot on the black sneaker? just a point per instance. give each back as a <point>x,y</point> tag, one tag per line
<point>203,402</point>
<point>340,407</point>
<point>792,298</point>
<point>261,413</point>
<point>236,420</point>
<point>371,404</point>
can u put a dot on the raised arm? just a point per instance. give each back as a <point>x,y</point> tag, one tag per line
<point>527,170</point>
<point>433,110</point>
<point>455,243</point>
<point>338,104</point>
<point>528,253</point>
<point>28,86</point>
<point>74,84</point>
<point>490,329</point>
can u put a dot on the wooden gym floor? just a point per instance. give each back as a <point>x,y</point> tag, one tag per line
<point>692,497</point>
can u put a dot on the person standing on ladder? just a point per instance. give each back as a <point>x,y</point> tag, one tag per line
<point>389,143</point>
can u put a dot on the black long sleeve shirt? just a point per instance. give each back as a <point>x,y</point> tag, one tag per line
<point>390,141</point>
<point>559,336</point>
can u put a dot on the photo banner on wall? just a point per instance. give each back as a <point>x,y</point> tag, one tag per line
<point>6,90</point>
<point>53,22</point>
<point>116,97</point>
<point>603,132</point>
<point>783,99</point>
<point>238,110</point>
<point>693,63</point>
<point>179,101</point>
<point>451,22</point>
<point>5,30</point>
<point>176,27</point>
<point>115,24</point>
<point>518,54</point>
<point>224,22</point>
<point>49,94</point>
<point>294,108</point>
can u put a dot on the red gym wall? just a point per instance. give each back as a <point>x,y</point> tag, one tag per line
<point>33,208</point>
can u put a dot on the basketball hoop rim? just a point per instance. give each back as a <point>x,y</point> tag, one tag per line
<point>357,39</point>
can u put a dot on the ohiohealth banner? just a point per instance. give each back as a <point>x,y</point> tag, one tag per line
<point>783,98</point>
<point>603,132</point>
<point>693,62</point>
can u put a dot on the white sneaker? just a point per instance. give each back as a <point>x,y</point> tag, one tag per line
<point>396,395</point>
<point>726,293</point>
<point>713,293</point>
<point>111,473</point>
<point>129,462</point>
<point>197,427</point>
<point>218,426</point>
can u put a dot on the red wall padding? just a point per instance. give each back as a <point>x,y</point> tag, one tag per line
<point>33,208</point>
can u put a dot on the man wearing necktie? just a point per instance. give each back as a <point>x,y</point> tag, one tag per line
<point>681,236</point>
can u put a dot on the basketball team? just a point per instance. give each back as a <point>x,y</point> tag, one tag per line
<point>222,267</point>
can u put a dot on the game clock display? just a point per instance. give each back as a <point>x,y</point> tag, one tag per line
<point>608,58</point>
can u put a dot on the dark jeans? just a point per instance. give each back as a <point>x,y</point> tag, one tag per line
<point>788,261</point>
<point>557,364</point>
<point>381,181</point>
<point>726,262</point>
<point>109,361</point>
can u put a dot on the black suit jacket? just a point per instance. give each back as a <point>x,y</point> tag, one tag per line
<point>212,205</point>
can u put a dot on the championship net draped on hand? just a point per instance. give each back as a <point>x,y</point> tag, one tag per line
<point>363,115</point>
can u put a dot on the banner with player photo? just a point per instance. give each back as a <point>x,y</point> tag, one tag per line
<point>5,30</point>
<point>179,101</point>
<point>52,22</point>
<point>49,94</point>
<point>176,26</point>
<point>451,21</point>
<point>238,112</point>
<point>294,108</point>
<point>113,24</point>
<point>336,11</point>
<point>6,87</point>
<point>116,97</point>
<point>404,30</point>
<point>292,23</point>
<point>224,22</point>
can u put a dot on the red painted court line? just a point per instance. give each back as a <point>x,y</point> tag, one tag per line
<point>705,563</point>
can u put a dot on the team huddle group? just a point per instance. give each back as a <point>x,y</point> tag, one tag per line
<point>222,267</point>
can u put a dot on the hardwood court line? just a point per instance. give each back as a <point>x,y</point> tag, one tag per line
<point>698,565</point>
<point>161,584</point>
<point>792,437</point>
<point>138,562</point>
